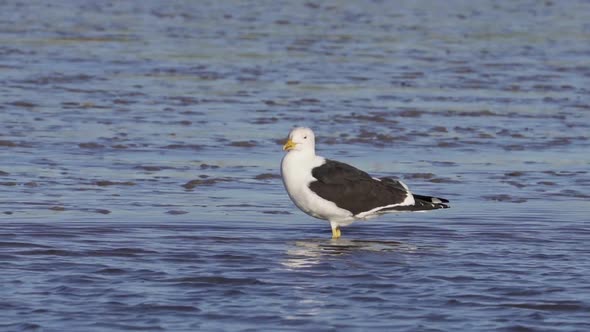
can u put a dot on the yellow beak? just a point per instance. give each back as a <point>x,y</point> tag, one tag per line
<point>289,145</point>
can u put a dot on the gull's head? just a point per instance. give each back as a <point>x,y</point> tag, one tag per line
<point>300,139</point>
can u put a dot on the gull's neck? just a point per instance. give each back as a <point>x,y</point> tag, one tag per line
<point>302,154</point>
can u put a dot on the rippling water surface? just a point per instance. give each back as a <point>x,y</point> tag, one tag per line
<point>140,144</point>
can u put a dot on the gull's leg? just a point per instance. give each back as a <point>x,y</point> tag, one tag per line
<point>335,230</point>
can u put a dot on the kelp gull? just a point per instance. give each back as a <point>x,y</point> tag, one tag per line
<point>340,193</point>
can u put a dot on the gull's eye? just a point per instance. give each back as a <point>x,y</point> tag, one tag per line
<point>304,137</point>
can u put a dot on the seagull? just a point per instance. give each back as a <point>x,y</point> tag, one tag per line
<point>340,193</point>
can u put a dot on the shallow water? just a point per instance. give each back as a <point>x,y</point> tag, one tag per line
<point>140,146</point>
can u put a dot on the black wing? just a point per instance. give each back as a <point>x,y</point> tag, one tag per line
<point>354,190</point>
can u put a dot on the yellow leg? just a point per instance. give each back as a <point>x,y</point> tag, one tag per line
<point>335,231</point>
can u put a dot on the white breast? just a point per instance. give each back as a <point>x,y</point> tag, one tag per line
<point>296,173</point>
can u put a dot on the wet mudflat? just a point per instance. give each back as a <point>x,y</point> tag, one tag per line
<point>140,149</point>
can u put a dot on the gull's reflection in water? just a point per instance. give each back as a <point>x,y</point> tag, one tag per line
<point>307,253</point>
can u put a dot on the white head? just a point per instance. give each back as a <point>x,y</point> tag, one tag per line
<point>300,139</point>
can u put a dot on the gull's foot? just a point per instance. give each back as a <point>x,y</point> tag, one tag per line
<point>336,232</point>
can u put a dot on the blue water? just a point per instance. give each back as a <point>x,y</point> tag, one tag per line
<point>140,146</point>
